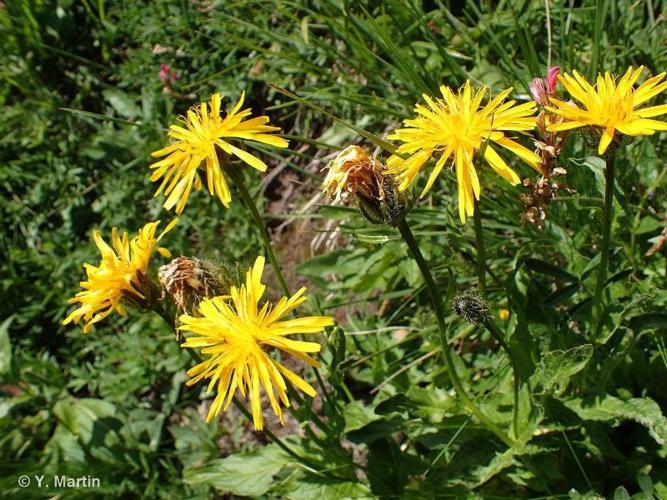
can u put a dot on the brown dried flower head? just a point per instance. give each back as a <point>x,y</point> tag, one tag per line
<point>355,178</point>
<point>189,280</point>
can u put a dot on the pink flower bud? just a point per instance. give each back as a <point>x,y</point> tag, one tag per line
<point>539,91</point>
<point>552,79</point>
<point>167,75</point>
<point>164,75</point>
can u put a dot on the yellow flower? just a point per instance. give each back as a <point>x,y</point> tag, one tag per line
<point>121,273</point>
<point>504,314</point>
<point>611,106</point>
<point>457,127</point>
<point>204,130</point>
<point>236,333</point>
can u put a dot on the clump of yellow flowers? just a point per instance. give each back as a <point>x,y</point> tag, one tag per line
<point>237,332</point>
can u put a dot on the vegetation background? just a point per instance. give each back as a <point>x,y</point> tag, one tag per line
<point>82,108</point>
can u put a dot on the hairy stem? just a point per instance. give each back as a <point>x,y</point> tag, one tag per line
<point>607,214</point>
<point>436,300</point>
<point>497,334</point>
<point>481,253</point>
<point>237,179</point>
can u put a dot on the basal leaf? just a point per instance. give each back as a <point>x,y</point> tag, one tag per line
<point>557,367</point>
<point>610,408</point>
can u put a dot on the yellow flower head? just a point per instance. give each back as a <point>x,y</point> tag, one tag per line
<point>196,142</point>
<point>121,272</point>
<point>457,127</point>
<point>236,333</point>
<point>611,106</point>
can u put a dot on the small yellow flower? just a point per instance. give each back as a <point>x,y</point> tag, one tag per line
<point>121,273</point>
<point>457,127</point>
<point>504,314</point>
<point>611,106</point>
<point>196,143</point>
<point>236,333</point>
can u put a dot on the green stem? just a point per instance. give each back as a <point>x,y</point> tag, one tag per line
<point>497,334</point>
<point>481,254</point>
<point>197,359</point>
<point>237,179</point>
<point>606,238</point>
<point>436,301</point>
<point>270,434</point>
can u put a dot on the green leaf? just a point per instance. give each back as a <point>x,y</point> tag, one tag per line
<point>557,367</point>
<point>358,415</point>
<point>245,474</point>
<point>122,103</point>
<point>609,408</point>
<point>543,267</point>
<point>648,320</point>
<point>621,494</point>
<point>5,346</point>
<point>500,462</point>
<point>310,487</point>
<point>84,417</point>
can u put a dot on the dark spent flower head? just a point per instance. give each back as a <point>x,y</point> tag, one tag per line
<point>189,280</point>
<point>470,306</point>
<point>355,178</point>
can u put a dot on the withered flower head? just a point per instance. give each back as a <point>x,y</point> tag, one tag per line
<point>354,178</point>
<point>353,172</point>
<point>189,280</point>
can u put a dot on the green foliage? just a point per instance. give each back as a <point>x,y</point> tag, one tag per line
<point>83,107</point>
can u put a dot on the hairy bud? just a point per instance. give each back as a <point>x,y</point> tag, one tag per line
<point>470,306</point>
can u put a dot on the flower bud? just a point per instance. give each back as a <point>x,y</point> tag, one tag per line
<point>544,88</point>
<point>470,306</point>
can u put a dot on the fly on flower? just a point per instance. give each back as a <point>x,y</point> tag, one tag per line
<point>611,106</point>
<point>456,128</point>
<point>238,334</point>
<point>121,274</point>
<point>195,142</point>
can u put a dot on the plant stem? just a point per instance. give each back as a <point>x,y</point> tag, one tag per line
<point>497,334</point>
<point>237,179</point>
<point>481,254</point>
<point>270,434</point>
<point>606,238</point>
<point>436,300</point>
<point>197,359</point>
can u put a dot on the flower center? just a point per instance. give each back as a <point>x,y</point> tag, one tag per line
<point>464,133</point>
